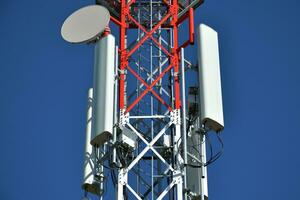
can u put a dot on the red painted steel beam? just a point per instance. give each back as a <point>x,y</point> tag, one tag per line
<point>147,86</point>
<point>148,89</point>
<point>191,30</point>
<point>130,3</point>
<point>175,59</point>
<point>185,44</point>
<point>123,55</point>
<point>150,35</point>
<point>191,25</point>
<point>115,21</point>
<point>182,18</point>
<point>133,26</point>
<point>165,18</point>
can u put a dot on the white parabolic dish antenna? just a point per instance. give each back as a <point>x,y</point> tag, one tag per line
<point>85,24</point>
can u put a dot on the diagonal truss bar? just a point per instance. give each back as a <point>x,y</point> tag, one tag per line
<point>156,182</point>
<point>150,76</point>
<point>131,2</point>
<point>166,2</point>
<point>162,195</point>
<point>115,21</point>
<point>149,146</point>
<point>149,88</point>
<point>162,159</point>
<point>144,182</point>
<point>133,192</point>
<point>148,34</point>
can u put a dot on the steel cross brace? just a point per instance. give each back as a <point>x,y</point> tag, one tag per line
<point>177,173</point>
<point>148,88</point>
<point>149,34</point>
<point>149,146</point>
<point>150,76</point>
<point>123,174</point>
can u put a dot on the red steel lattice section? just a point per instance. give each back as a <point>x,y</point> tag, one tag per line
<point>126,18</point>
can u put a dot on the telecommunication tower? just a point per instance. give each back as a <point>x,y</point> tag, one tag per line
<point>140,134</point>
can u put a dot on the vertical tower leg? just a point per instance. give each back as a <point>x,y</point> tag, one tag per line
<point>204,186</point>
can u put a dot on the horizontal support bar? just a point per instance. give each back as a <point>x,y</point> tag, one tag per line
<point>148,117</point>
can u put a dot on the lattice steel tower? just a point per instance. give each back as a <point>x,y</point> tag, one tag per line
<point>152,145</point>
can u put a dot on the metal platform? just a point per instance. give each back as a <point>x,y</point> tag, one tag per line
<point>114,7</point>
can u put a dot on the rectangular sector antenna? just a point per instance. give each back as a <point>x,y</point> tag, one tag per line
<point>90,182</point>
<point>210,81</point>
<point>103,107</point>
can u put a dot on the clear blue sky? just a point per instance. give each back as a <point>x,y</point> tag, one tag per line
<point>44,82</point>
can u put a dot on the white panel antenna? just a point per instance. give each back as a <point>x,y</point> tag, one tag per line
<point>86,24</point>
<point>103,113</point>
<point>90,182</point>
<point>210,79</point>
